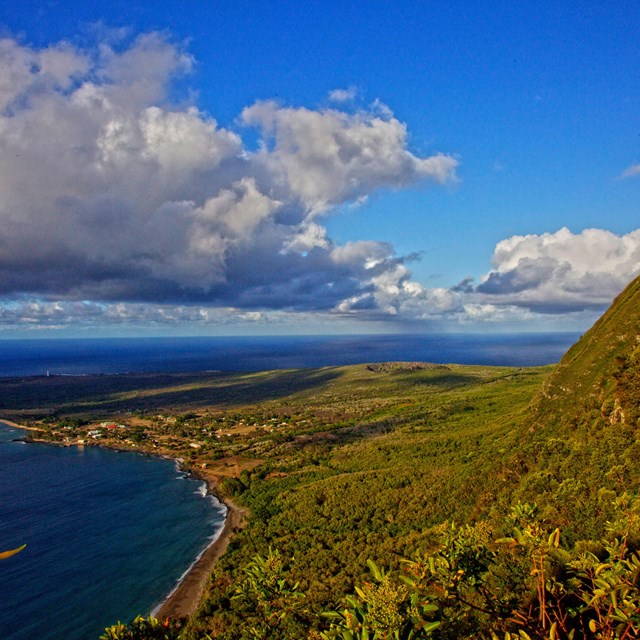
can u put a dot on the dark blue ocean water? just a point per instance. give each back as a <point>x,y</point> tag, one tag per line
<point>108,536</point>
<point>36,357</point>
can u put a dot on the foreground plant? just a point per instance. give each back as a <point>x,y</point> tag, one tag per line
<point>266,597</point>
<point>525,586</point>
<point>386,609</point>
<point>149,628</point>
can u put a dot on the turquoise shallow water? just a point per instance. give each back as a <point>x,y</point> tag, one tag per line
<point>108,536</point>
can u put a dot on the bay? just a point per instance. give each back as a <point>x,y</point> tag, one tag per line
<point>108,536</point>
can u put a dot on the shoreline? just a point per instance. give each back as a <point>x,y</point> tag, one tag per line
<point>20,426</point>
<point>186,595</point>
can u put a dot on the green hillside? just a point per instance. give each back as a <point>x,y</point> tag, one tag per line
<point>580,445</point>
<point>589,375</point>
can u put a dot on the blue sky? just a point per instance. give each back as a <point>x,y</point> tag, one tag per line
<point>529,112</point>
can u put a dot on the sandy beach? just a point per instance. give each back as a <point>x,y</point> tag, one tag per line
<point>185,599</point>
<point>10,423</point>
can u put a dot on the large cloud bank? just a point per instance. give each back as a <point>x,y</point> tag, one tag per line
<point>107,192</point>
<point>119,205</point>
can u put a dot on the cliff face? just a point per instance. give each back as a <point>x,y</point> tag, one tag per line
<point>600,372</point>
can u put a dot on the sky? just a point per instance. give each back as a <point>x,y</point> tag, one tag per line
<point>247,167</point>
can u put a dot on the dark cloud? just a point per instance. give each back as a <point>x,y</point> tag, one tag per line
<point>109,193</point>
<point>528,274</point>
<point>464,286</point>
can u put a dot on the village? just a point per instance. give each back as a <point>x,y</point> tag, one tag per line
<point>215,447</point>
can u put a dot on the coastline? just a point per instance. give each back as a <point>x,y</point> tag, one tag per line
<point>186,595</point>
<point>20,426</point>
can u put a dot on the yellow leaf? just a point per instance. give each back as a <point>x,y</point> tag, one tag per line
<point>7,554</point>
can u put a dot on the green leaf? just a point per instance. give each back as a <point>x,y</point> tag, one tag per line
<point>375,571</point>
<point>554,538</point>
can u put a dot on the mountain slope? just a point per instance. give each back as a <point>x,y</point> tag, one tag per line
<point>580,444</point>
<point>589,375</point>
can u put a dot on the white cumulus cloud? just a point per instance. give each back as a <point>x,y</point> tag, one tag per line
<point>324,158</point>
<point>113,194</point>
<point>562,271</point>
<point>118,205</point>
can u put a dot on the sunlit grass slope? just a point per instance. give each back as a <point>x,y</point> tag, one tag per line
<point>398,452</point>
<point>582,443</point>
<point>585,378</point>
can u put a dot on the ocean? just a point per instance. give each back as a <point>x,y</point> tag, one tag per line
<point>109,534</point>
<point>81,356</point>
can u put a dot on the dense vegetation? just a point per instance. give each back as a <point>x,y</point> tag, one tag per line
<point>374,489</point>
<point>526,585</point>
<point>498,500</point>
